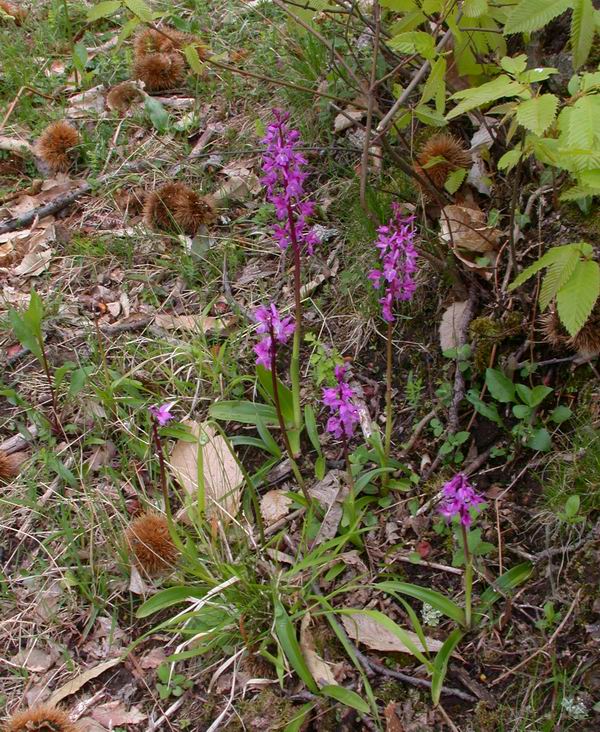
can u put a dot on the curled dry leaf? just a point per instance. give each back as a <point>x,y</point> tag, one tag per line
<point>319,669</point>
<point>466,228</point>
<point>274,505</point>
<point>222,475</point>
<point>35,659</point>
<point>453,321</point>
<point>369,632</point>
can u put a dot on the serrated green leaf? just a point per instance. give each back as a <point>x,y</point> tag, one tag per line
<point>557,275</point>
<point>509,159</point>
<point>552,255</point>
<point>583,123</point>
<point>414,42</point>
<point>140,10</point>
<point>103,10</point>
<point>455,180</point>
<point>515,65</point>
<point>575,301</point>
<point>531,15</point>
<point>474,8</point>
<point>582,31</point>
<point>429,116</point>
<point>501,86</point>
<point>435,86</point>
<point>537,114</point>
<point>191,55</point>
<point>533,75</point>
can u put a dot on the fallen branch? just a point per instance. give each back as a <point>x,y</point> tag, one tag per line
<point>66,199</point>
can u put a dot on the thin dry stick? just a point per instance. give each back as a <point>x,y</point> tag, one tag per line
<point>555,635</point>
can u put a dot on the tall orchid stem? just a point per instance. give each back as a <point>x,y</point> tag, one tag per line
<point>352,496</point>
<point>388,406</point>
<point>282,425</point>
<point>468,575</point>
<point>295,364</point>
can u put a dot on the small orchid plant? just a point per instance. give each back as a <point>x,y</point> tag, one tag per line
<point>396,277</point>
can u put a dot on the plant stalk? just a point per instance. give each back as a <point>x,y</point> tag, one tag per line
<point>281,420</point>
<point>468,577</point>
<point>388,405</point>
<point>295,363</point>
<point>55,418</point>
<point>162,469</point>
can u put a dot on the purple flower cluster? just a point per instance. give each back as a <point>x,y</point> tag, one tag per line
<point>284,180</point>
<point>162,414</point>
<point>275,329</point>
<point>344,414</point>
<point>398,259</point>
<point>459,497</point>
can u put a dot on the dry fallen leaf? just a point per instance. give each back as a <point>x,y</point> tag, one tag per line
<point>153,658</point>
<point>197,323</point>
<point>222,475</point>
<point>73,686</point>
<point>114,714</point>
<point>136,582</point>
<point>274,505</point>
<point>320,670</point>
<point>467,228</point>
<point>346,119</point>
<point>392,721</point>
<point>330,492</point>
<point>453,321</point>
<point>35,659</point>
<point>91,100</point>
<point>34,263</point>
<point>366,630</point>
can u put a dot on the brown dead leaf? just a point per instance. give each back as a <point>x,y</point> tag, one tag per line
<point>467,228</point>
<point>102,455</point>
<point>153,658</point>
<point>34,263</point>
<point>453,321</point>
<point>274,505</point>
<point>136,582</point>
<point>368,631</point>
<point>73,686</point>
<point>222,475</point>
<point>114,714</point>
<point>35,659</point>
<point>392,721</point>
<point>320,670</point>
<point>91,100</point>
<point>330,492</point>
<point>346,119</point>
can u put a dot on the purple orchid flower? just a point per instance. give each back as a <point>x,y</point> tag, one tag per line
<point>459,498</point>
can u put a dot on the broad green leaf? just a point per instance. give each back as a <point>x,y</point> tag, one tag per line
<point>127,30</point>
<point>525,394</point>
<point>400,5</point>
<point>515,65</point>
<point>532,75</point>
<point>572,506</point>
<point>584,124</point>
<point>286,635</point>
<point>474,8</point>
<point>507,581</point>
<point>310,422</point>
<point>509,159</point>
<point>522,411</point>
<point>501,86</point>
<point>244,411</point>
<point>168,597</point>
<point>440,602</point>
<point>531,15</point>
<point>489,411</point>
<point>455,180</point>
<point>140,9</point>
<point>157,113</point>
<point>370,475</point>
<point>537,114</point>
<point>582,31</point>
<point>267,438</point>
<point>103,10</point>
<point>539,393</point>
<point>575,301</point>
<point>440,664</point>
<point>414,42</point>
<point>285,394</point>
<point>561,414</point>
<point>499,386</point>
<point>540,440</point>
<point>346,696</point>
<point>298,722</point>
